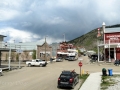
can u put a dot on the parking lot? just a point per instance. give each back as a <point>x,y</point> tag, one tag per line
<point>45,78</point>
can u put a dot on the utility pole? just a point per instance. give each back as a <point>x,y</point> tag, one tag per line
<point>9,56</point>
<point>19,56</point>
<point>45,48</point>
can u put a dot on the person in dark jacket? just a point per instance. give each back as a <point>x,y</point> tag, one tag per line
<point>50,60</point>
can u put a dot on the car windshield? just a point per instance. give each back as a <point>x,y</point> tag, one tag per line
<point>43,60</point>
<point>59,58</point>
<point>40,60</point>
<point>71,56</point>
<point>65,75</point>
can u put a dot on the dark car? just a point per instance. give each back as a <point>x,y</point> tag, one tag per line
<point>94,57</point>
<point>117,62</point>
<point>68,79</point>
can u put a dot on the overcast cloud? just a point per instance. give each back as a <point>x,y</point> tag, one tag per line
<point>32,20</point>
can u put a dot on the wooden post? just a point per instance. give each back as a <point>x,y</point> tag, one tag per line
<point>0,58</point>
<point>80,71</point>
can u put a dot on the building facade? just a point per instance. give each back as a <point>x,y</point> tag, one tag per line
<point>111,43</point>
<point>44,51</point>
<point>66,49</point>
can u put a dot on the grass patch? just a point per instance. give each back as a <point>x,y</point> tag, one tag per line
<point>108,81</point>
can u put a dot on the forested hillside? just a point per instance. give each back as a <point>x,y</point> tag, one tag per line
<point>89,40</point>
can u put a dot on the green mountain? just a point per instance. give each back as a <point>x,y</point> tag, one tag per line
<point>89,40</point>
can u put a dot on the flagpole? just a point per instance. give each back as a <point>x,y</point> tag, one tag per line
<point>64,37</point>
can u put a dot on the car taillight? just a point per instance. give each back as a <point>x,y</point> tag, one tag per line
<point>71,80</point>
<point>58,79</point>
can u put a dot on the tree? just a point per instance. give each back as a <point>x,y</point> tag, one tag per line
<point>79,52</point>
<point>34,54</point>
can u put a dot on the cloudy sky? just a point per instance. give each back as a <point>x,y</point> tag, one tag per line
<point>33,20</point>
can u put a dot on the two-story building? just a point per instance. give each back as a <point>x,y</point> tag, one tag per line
<point>111,43</point>
<point>44,51</point>
<point>2,47</point>
<point>66,49</point>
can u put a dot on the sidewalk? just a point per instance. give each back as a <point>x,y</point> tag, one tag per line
<point>92,82</point>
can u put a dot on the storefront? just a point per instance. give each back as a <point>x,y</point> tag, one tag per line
<point>111,43</point>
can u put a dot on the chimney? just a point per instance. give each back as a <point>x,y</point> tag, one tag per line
<point>103,26</point>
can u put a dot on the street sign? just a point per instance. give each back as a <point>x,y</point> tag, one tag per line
<point>80,64</point>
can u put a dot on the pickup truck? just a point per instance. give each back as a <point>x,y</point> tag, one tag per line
<point>36,62</point>
<point>68,79</point>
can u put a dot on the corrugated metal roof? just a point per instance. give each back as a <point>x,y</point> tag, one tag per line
<point>25,46</point>
<point>111,30</point>
<point>29,45</point>
<point>3,36</point>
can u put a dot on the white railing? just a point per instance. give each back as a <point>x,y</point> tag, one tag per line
<point>2,44</point>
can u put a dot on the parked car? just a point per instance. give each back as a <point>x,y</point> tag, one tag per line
<point>94,57</point>
<point>59,59</point>
<point>71,58</point>
<point>67,57</point>
<point>117,62</point>
<point>68,79</point>
<point>36,62</point>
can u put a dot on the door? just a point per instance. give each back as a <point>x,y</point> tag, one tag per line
<point>37,62</point>
<point>118,53</point>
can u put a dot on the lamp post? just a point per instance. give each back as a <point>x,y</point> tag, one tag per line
<point>19,55</point>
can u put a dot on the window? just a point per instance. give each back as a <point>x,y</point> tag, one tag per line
<point>36,60</point>
<point>30,53</point>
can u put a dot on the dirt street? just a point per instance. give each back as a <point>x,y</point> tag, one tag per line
<point>45,78</point>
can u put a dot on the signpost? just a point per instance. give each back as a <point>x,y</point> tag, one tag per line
<point>80,64</point>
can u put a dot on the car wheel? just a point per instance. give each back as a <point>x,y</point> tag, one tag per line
<point>29,65</point>
<point>41,65</point>
<point>58,87</point>
<point>73,86</point>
